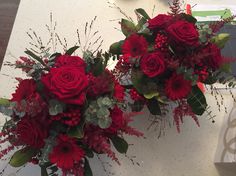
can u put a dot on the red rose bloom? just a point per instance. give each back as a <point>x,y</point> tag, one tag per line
<point>66,153</point>
<point>159,22</point>
<point>119,91</point>
<point>68,84</point>
<point>72,61</point>
<point>31,132</point>
<point>183,33</point>
<point>211,56</point>
<point>152,64</point>
<point>135,45</point>
<point>118,120</point>
<point>25,90</point>
<point>177,87</point>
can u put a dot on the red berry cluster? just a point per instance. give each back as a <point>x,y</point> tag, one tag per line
<point>161,42</point>
<point>69,118</point>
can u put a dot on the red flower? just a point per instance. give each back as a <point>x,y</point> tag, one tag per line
<point>100,85</point>
<point>70,118</point>
<point>177,87</point>
<point>159,22</point>
<point>183,33</point>
<point>66,153</point>
<point>135,45</point>
<point>152,64</point>
<point>25,90</point>
<point>68,84</point>
<point>72,61</point>
<point>211,56</point>
<point>118,120</point>
<point>31,132</point>
<point>119,91</point>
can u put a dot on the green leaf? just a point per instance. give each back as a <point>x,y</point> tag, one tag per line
<point>53,56</point>
<point>116,48</point>
<point>188,18</point>
<point>141,23</point>
<point>71,50</point>
<point>44,171</point>
<point>34,56</point>
<point>104,122</point>
<point>197,101</point>
<point>127,27</point>
<point>55,107</point>
<point>151,95</point>
<point>97,67</point>
<point>77,132</point>
<point>154,107</point>
<point>89,152</point>
<point>87,168</point>
<point>120,144</point>
<point>22,156</point>
<point>221,39</point>
<point>143,13</point>
<point>4,102</point>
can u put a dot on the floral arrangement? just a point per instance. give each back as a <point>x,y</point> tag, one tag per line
<point>166,60</point>
<point>67,111</point>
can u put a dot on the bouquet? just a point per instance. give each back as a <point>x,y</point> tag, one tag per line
<point>166,59</point>
<point>68,110</point>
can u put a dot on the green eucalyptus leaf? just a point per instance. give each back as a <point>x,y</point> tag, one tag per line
<point>116,48</point>
<point>22,156</point>
<point>104,122</point>
<point>120,144</point>
<point>197,101</point>
<point>87,168</point>
<point>127,27</point>
<point>71,50</point>
<point>55,107</point>
<point>143,13</point>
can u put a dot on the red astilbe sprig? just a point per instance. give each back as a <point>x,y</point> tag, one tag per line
<point>128,129</point>
<point>175,8</point>
<point>183,109</point>
<point>216,26</point>
<point>98,141</point>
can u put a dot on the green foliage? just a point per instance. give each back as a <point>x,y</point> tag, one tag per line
<point>4,102</point>
<point>116,48</point>
<point>154,107</point>
<point>35,57</point>
<point>188,18</point>
<point>55,107</point>
<point>120,144</point>
<point>204,31</point>
<point>143,13</point>
<point>138,80</point>
<point>87,168</point>
<point>22,156</point>
<point>71,50</point>
<point>98,112</point>
<point>127,27</point>
<point>197,101</point>
<point>221,39</point>
<point>77,132</point>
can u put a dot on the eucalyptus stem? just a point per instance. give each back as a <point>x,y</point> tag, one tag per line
<point>44,171</point>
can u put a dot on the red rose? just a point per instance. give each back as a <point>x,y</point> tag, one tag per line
<point>72,61</point>
<point>159,22</point>
<point>211,56</point>
<point>183,33</point>
<point>177,87</point>
<point>31,132</point>
<point>68,84</point>
<point>25,90</point>
<point>152,64</point>
<point>135,45</point>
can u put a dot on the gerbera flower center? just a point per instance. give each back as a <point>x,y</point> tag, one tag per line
<point>65,148</point>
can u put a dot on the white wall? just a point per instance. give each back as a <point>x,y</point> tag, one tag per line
<point>190,153</point>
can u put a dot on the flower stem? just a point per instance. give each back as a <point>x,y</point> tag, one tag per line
<point>44,171</point>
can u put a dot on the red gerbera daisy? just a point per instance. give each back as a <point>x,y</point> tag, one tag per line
<point>135,45</point>
<point>66,153</point>
<point>177,87</point>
